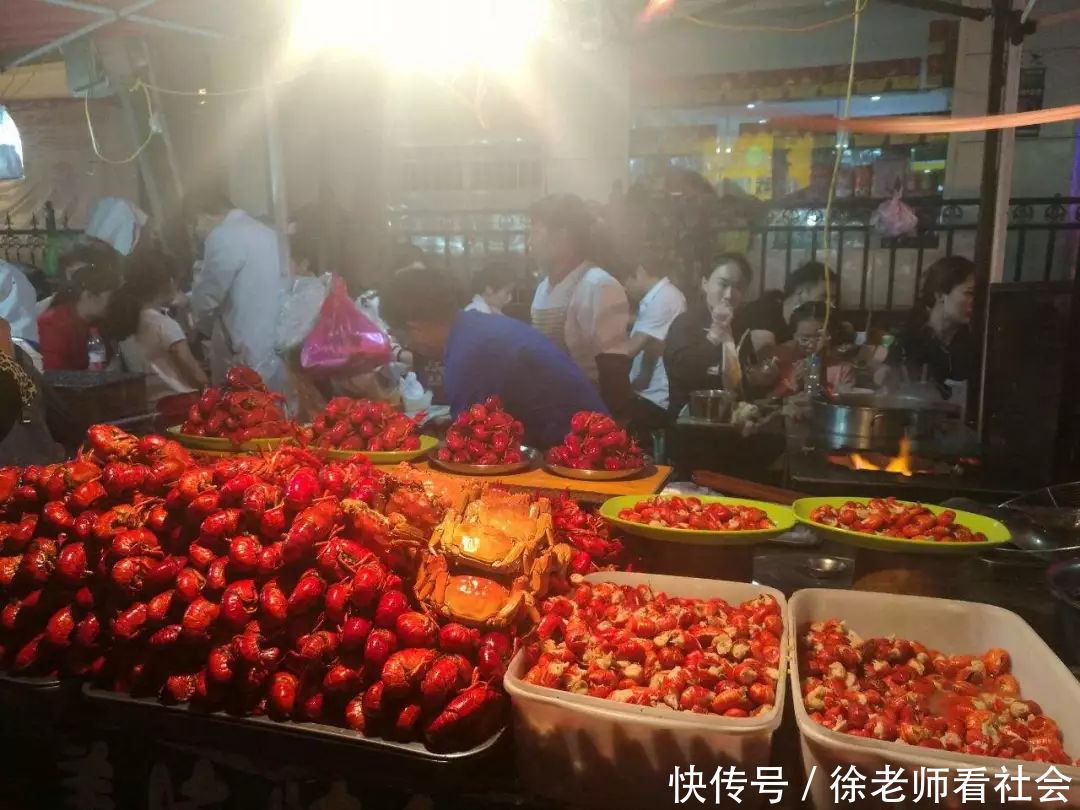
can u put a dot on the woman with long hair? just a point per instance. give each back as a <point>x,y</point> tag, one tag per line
<point>937,342</point>
<point>64,328</point>
<point>149,340</point>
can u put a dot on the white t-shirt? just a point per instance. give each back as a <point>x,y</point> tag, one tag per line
<point>586,313</point>
<point>479,304</point>
<point>147,351</point>
<point>658,308</point>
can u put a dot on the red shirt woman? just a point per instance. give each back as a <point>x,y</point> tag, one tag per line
<point>64,328</point>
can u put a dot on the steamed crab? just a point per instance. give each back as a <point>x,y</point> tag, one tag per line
<point>396,540</point>
<point>424,497</point>
<point>482,601</point>
<point>506,542</point>
<point>497,532</point>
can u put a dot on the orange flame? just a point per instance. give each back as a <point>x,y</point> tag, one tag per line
<point>900,463</point>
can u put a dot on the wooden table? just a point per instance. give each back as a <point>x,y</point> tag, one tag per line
<point>591,491</point>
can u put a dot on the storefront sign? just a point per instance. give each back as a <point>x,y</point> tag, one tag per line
<point>776,85</point>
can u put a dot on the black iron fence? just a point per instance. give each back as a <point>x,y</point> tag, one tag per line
<point>877,273</point>
<point>882,273</point>
<point>40,241</point>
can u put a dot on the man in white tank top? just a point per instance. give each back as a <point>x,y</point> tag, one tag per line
<point>582,308</point>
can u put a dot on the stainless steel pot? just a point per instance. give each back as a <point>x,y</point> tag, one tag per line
<point>711,405</point>
<point>871,421</point>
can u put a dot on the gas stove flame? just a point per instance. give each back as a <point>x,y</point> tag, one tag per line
<point>899,464</point>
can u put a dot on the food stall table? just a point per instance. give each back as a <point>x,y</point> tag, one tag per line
<point>114,397</point>
<point>591,491</point>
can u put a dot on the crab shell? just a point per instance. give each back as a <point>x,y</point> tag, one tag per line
<point>466,598</point>
<point>395,539</point>
<point>498,532</point>
<point>423,497</point>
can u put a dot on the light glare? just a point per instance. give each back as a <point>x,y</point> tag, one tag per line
<point>426,35</point>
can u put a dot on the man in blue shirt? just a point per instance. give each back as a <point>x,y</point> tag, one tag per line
<point>485,355</point>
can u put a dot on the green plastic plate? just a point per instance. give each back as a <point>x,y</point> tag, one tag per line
<point>390,457</point>
<point>779,515</point>
<point>996,533</point>
<point>218,445</point>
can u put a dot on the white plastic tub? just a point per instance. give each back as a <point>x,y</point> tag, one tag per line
<point>954,628</point>
<point>577,748</point>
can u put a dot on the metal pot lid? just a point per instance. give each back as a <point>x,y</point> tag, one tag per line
<point>886,402</point>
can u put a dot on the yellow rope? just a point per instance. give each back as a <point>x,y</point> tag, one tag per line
<point>137,152</point>
<point>778,29</point>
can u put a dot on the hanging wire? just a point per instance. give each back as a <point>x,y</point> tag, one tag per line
<point>860,5</point>
<point>7,92</point>
<point>137,152</point>
<point>777,29</point>
<point>203,93</point>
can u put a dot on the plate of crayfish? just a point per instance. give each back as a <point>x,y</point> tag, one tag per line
<point>221,444</point>
<point>426,445</point>
<point>704,520</point>
<point>889,524</point>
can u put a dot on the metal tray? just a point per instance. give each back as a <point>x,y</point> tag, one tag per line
<point>602,475</point>
<point>531,457</point>
<point>30,681</point>
<point>413,750</point>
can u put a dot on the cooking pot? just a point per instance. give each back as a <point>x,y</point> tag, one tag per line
<point>711,405</point>
<point>871,420</point>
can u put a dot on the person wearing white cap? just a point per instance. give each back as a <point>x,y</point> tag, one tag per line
<point>117,222</point>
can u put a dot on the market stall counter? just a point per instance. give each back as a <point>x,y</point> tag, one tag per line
<point>278,628</point>
<point>103,396</point>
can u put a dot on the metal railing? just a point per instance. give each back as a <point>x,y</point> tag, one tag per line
<point>30,246</point>
<point>877,273</point>
<point>882,273</point>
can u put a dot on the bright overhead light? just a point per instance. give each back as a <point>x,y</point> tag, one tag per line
<point>751,105</point>
<point>875,98</point>
<point>728,150</point>
<point>424,35</point>
<point>763,121</point>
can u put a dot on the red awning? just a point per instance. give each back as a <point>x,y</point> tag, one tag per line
<point>30,23</point>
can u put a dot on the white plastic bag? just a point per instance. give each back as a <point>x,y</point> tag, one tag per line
<point>413,395</point>
<point>894,218</point>
<point>299,311</point>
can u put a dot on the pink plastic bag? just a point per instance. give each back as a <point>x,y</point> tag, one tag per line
<point>894,218</point>
<point>343,340</point>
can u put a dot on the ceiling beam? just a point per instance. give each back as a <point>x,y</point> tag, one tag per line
<point>945,7</point>
<point>169,25</point>
<point>79,33</point>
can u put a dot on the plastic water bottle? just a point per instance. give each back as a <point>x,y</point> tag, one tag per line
<point>95,348</point>
<point>814,383</point>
